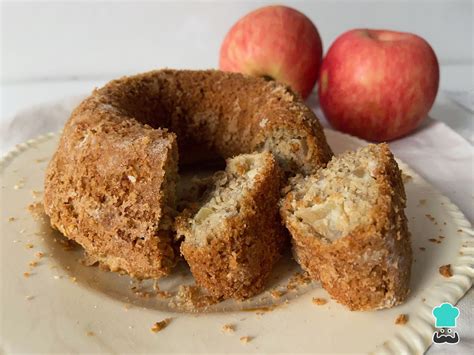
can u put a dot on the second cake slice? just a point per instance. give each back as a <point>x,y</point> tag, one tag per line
<point>233,237</point>
<point>349,228</point>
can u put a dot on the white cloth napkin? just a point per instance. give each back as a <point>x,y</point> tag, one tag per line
<point>435,151</point>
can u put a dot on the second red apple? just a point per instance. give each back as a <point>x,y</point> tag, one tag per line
<point>378,85</point>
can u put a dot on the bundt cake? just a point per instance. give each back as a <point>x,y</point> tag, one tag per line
<point>234,237</point>
<point>110,185</point>
<point>349,229</point>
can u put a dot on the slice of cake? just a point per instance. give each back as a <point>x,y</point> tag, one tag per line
<point>349,228</point>
<point>117,200</point>
<point>234,236</point>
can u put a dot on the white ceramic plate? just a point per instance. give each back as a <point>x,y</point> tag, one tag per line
<point>66,307</point>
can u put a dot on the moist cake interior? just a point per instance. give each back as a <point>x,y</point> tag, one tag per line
<point>222,197</point>
<point>339,198</point>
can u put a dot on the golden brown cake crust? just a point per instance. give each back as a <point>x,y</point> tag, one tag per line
<point>238,258</point>
<point>110,184</point>
<point>370,267</point>
<point>223,113</point>
<point>104,189</point>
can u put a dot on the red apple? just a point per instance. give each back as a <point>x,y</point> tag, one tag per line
<point>378,85</point>
<point>275,42</point>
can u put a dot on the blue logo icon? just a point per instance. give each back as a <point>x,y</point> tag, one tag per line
<point>445,315</point>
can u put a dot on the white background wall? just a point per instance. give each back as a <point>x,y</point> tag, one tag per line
<point>99,40</point>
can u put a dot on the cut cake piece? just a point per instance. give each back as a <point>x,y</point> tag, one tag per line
<point>349,228</point>
<point>234,237</point>
<point>117,201</point>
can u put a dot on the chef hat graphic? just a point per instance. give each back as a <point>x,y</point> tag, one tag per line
<point>445,315</point>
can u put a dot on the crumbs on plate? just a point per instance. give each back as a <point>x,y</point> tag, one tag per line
<point>277,294</point>
<point>228,328</point>
<point>159,326</point>
<point>445,270</point>
<point>406,178</point>
<point>319,301</point>
<point>401,319</point>
<point>245,339</point>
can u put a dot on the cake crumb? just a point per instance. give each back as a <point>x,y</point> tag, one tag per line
<point>29,246</point>
<point>277,294</point>
<point>29,298</point>
<point>228,328</point>
<point>245,339</point>
<point>430,217</point>
<point>422,248</point>
<point>37,210</point>
<point>33,263</point>
<point>298,279</point>
<point>401,319</point>
<point>36,194</point>
<point>11,219</point>
<point>406,178</point>
<point>261,310</point>
<point>433,240</point>
<point>159,326</point>
<point>26,274</point>
<point>90,334</point>
<point>445,270</point>
<point>163,294</point>
<point>460,230</point>
<point>319,301</point>
<point>192,298</point>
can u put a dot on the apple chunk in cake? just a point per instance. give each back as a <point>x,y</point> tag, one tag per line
<point>349,229</point>
<point>234,236</point>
